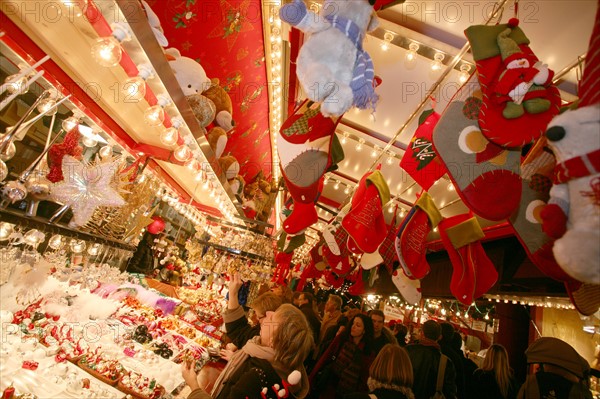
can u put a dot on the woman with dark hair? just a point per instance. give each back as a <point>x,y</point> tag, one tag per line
<point>494,379</point>
<point>344,366</point>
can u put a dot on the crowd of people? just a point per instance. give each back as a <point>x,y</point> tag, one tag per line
<point>282,346</point>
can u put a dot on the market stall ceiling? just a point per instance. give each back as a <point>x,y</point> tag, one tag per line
<point>559,32</point>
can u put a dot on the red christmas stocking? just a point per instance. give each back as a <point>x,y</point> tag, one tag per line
<point>365,222</point>
<point>519,99</point>
<point>358,288</point>
<point>283,261</point>
<point>474,274</point>
<point>308,148</point>
<point>387,249</point>
<point>420,161</point>
<point>412,235</point>
<point>485,175</point>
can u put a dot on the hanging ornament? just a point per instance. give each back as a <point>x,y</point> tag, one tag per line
<point>85,188</point>
<point>3,170</point>
<point>14,191</point>
<point>9,151</point>
<point>69,146</point>
<point>105,152</point>
<point>56,242</point>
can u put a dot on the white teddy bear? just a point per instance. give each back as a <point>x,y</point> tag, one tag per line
<point>332,66</point>
<point>574,206</point>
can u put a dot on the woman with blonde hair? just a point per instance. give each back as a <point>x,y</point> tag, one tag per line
<point>275,357</point>
<point>494,379</point>
<point>390,375</point>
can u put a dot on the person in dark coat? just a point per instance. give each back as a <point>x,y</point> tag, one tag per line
<point>390,376</point>
<point>469,365</point>
<point>425,358</point>
<point>344,367</point>
<point>305,303</point>
<point>381,334</point>
<point>142,260</point>
<point>494,380</point>
<point>447,349</point>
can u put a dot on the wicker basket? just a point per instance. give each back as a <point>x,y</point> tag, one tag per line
<point>97,375</point>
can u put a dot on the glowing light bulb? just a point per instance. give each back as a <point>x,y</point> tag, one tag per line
<point>89,142</point>
<point>464,73</point>
<point>70,123</point>
<point>169,136</point>
<point>17,84</point>
<point>437,62</point>
<point>347,190</point>
<point>182,153</point>
<point>154,115</point>
<point>107,51</point>
<point>193,165</point>
<point>487,317</point>
<point>412,52</point>
<point>359,145</point>
<point>450,187</point>
<point>345,138</point>
<point>375,151</point>
<point>336,186</point>
<point>105,152</point>
<point>134,89</point>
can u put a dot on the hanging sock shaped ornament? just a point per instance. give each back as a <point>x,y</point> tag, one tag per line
<point>365,222</point>
<point>307,148</point>
<point>485,175</point>
<point>474,273</point>
<point>283,261</point>
<point>410,289</point>
<point>387,249</point>
<point>412,236</point>
<point>420,160</point>
<point>341,263</point>
<point>358,288</point>
<point>519,99</point>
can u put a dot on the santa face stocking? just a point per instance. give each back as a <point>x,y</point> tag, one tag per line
<point>485,175</point>
<point>474,274</point>
<point>519,98</point>
<point>412,236</point>
<point>308,147</point>
<point>420,161</point>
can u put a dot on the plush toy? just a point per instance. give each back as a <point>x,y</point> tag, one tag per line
<point>193,82</point>
<point>223,106</point>
<point>154,22</point>
<point>230,166</point>
<point>217,139</point>
<point>573,212</point>
<point>332,66</point>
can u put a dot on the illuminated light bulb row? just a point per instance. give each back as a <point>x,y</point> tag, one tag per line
<point>437,64</point>
<point>276,43</point>
<point>465,72</point>
<point>134,88</point>
<point>532,302</point>
<point>155,115</point>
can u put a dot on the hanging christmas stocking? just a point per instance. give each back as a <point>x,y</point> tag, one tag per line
<point>420,161</point>
<point>412,235</point>
<point>485,175</point>
<point>410,289</point>
<point>358,288</point>
<point>341,263</point>
<point>387,249</point>
<point>474,274</point>
<point>365,222</point>
<point>307,148</point>
<point>56,153</point>
<point>519,98</point>
<point>283,261</point>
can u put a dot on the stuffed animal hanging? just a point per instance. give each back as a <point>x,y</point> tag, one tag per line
<point>332,66</point>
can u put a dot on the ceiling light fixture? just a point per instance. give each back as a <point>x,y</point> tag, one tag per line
<point>387,40</point>
<point>359,145</point>
<point>375,151</point>
<point>107,50</point>
<point>412,51</point>
<point>134,88</point>
<point>465,70</point>
<point>436,65</point>
<point>345,136</point>
<point>155,115</point>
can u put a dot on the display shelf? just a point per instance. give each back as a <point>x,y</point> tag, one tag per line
<point>10,216</point>
<point>239,252</point>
